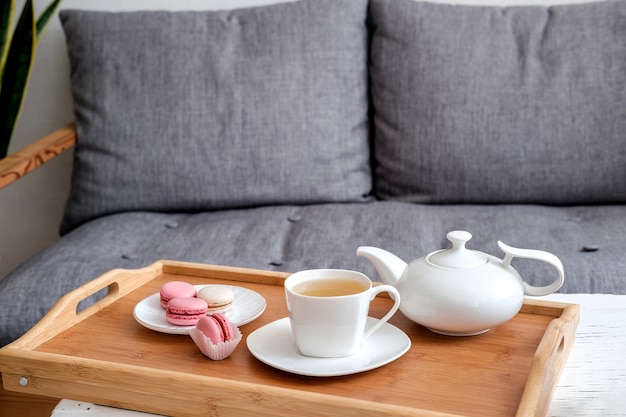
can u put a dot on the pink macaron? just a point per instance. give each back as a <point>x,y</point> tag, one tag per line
<point>216,327</point>
<point>174,289</point>
<point>185,311</point>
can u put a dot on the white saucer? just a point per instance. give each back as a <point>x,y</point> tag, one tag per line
<point>248,305</point>
<point>273,345</point>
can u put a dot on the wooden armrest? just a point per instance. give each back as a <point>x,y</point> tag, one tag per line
<point>16,165</point>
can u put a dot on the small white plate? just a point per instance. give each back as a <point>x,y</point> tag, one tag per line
<point>248,305</point>
<point>273,345</point>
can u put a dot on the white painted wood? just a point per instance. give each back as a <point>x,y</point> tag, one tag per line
<point>593,381</point>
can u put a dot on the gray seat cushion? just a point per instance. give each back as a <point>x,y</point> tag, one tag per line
<point>181,111</point>
<point>290,238</point>
<point>499,105</point>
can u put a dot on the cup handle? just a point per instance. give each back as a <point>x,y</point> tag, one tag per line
<point>395,296</point>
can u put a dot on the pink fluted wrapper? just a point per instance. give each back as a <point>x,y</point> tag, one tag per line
<point>218,351</point>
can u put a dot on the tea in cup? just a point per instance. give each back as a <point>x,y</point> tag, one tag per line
<point>328,310</point>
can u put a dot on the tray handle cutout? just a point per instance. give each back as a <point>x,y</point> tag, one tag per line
<point>548,363</point>
<point>85,301</point>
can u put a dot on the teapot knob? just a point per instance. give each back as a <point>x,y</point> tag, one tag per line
<point>458,238</point>
<point>458,257</point>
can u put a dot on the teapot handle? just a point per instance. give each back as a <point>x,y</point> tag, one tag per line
<point>539,255</point>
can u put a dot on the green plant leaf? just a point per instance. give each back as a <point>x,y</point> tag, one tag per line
<point>17,69</point>
<point>44,18</point>
<point>6,19</point>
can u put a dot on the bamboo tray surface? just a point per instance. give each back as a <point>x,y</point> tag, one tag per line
<point>103,355</point>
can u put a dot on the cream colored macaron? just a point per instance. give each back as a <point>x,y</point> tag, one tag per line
<point>219,298</point>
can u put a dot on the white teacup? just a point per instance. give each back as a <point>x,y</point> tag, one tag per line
<point>328,310</point>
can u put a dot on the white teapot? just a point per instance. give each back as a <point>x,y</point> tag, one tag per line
<point>458,291</point>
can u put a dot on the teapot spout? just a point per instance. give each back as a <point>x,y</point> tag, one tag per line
<point>389,266</point>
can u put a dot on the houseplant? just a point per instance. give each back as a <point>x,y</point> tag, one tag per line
<point>17,54</point>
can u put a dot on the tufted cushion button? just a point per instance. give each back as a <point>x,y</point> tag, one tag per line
<point>590,248</point>
<point>129,256</point>
<point>276,262</point>
<point>294,218</point>
<point>171,224</point>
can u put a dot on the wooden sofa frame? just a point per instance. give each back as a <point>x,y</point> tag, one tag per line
<point>16,165</point>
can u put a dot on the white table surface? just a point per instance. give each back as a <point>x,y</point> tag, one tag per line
<point>593,382</point>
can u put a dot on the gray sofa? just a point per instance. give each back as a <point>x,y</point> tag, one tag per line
<point>283,137</point>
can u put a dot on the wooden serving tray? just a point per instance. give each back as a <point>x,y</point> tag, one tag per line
<point>102,355</point>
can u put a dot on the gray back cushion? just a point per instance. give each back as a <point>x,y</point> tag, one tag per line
<point>494,105</point>
<point>184,111</point>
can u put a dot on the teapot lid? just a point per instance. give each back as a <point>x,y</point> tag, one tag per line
<point>458,257</point>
